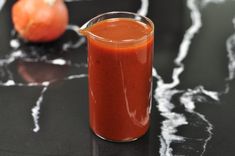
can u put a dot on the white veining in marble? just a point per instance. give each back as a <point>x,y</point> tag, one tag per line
<point>189,98</point>
<point>144,8</point>
<point>68,45</point>
<point>11,58</point>
<point>205,2</point>
<point>163,95</point>
<point>9,83</point>
<point>230,44</point>
<point>59,61</point>
<point>36,109</point>
<point>14,43</point>
<point>2,2</point>
<point>81,40</point>
<point>165,91</point>
<point>168,130</point>
<point>71,77</point>
<point>19,54</point>
<point>185,44</point>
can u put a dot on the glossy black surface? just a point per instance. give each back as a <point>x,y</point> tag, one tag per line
<point>64,127</point>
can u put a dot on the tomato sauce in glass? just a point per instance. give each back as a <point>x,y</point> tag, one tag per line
<point>120,57</point>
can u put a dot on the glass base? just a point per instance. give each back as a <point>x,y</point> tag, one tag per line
<point>116,141</point>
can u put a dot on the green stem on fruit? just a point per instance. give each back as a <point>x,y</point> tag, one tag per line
<point>50,2</point>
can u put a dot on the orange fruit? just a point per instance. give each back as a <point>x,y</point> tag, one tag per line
<point>40,20</point>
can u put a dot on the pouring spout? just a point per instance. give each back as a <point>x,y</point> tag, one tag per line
<point>84,29</point>
<point>85,26</point>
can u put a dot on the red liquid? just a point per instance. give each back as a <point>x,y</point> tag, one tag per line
<point>120,78</point>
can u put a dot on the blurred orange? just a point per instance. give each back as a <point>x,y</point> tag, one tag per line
<point>40,20</point>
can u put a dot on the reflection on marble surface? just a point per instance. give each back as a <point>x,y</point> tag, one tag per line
<point>29,56</point>
<point>101,148</point>
<point>45,72</point>
<point>32,58</point>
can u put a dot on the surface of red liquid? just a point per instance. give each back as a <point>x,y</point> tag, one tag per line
<point>120,55</point>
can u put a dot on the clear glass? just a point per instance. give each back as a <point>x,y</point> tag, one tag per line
<point>120,80</point>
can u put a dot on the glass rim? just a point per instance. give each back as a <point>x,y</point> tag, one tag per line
<point>135,15</point>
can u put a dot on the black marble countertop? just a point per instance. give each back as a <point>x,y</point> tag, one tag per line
<point>44,95</point>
